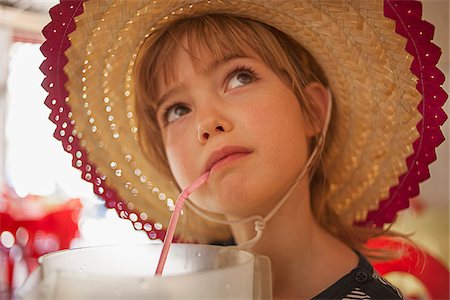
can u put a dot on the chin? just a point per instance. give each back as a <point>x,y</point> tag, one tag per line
<point>239,202</point>
<point>239,193</point>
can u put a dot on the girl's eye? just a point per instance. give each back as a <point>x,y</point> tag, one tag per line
<point>175,112</point>
<point>240,77</point>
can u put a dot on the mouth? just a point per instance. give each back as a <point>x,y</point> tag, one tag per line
<point>224,156</point>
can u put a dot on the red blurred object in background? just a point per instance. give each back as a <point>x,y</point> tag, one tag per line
<point>31,227</point>
<point>433,274</point>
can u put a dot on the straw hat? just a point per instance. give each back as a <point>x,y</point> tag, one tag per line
<point>386,130</point>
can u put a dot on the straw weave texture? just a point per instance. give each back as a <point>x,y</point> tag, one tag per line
<point>375,101</point>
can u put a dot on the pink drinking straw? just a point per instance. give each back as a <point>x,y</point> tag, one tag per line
<point>174,220</point>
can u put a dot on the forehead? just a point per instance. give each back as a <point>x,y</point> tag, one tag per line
<point>217,36</point>
<point>204,57</point>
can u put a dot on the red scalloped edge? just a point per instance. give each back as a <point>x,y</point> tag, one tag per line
<point>408,17</point>
<point>57,42</point>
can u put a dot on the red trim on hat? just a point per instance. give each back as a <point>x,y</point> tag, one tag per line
<point>57,42</point>
<point>407,15</point>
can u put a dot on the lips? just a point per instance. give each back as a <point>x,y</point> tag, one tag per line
<point>224,155</point>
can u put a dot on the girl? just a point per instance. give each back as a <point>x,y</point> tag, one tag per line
<point>302,113</point>
<point>252,115</point>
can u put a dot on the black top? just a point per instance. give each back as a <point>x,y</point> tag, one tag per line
<point>363,282</point>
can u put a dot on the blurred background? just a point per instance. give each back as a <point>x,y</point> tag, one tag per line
<point>46,206</point>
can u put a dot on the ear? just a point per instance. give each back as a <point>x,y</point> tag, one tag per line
<point>318,96</point>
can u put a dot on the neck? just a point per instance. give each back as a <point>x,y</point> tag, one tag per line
<point>299,249</point>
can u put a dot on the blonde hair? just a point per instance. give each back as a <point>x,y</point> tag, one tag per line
<point>224,35</point>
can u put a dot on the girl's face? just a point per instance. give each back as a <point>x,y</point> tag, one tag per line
<point>237,119</point>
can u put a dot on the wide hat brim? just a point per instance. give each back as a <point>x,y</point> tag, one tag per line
<point>377,56</point>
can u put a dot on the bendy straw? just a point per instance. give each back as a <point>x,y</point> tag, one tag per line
<point>174,220</point>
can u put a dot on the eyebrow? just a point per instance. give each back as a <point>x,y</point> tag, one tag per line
<point>167,94</point>
<point>221,61</point>
<point>208,70</point>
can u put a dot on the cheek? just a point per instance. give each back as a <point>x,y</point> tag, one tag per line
<point>181,159</point>
<point>283,131</point>
<point>174,162</point>
<point>281,121</point>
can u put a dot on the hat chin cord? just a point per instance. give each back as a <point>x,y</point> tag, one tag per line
<point>260,222</point>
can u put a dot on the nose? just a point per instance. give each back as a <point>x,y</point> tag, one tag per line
<point>212,126</point>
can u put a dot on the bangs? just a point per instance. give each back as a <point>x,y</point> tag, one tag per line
<point>223,36</point>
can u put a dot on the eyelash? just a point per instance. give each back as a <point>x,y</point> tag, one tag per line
<point>237,70</point>
<point>242,68</point>
<point>166,111</point>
